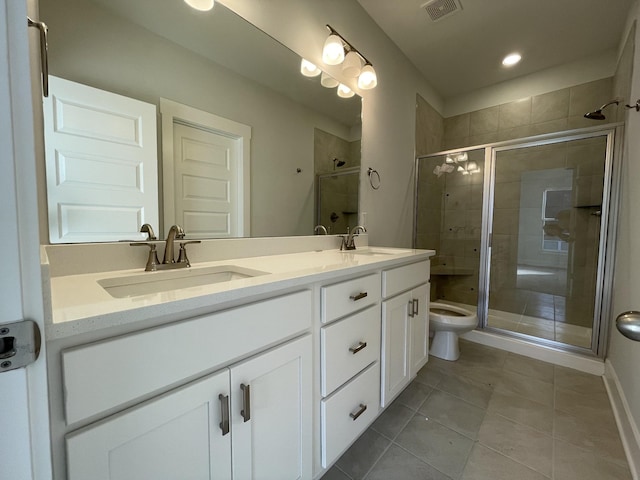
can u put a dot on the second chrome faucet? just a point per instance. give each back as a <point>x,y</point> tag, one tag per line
<point>176,232</point>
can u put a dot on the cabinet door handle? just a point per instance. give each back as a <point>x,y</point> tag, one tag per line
<point>359,412</point>
<point>246,402</point>
<point>416,306</point>
<point>359,296</point>
<point>224,413</point>
<point>412,308</point>
<point>360,346</point>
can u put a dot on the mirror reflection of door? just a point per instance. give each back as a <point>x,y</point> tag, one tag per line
<point>205,172</point>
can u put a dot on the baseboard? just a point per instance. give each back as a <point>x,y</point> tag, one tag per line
<point>546,354</point>
<point>629,432</point>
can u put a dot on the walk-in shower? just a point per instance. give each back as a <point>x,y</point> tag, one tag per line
<point>524,231</point>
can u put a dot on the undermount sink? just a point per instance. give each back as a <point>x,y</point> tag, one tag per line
<point>379,252</point>
<point>165,281</point>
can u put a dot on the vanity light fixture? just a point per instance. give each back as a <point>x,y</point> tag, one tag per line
<point>201,5</point>
<point>328,81</point>
<point>511,59</point>
<point>309,69</point>
<point>338,50</point>
<point>344,91</point>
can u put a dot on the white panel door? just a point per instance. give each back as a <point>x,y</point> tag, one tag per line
<point>396,329</point>
<point>420,329</point>
<point>271,419</point>
<point>177,436</point>
<point>101,164</point>
<point>24,421</point>
<point>206,190</point>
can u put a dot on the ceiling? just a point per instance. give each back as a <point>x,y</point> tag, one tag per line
<point>463,51</point>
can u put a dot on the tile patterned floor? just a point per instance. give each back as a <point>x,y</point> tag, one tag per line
<point>491,415</point>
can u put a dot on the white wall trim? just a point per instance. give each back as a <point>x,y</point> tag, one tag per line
<point>629,432</point>
<point>546,354</point>
<point>172,111</point>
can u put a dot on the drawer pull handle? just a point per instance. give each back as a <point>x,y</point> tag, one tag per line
<point>246,402</point>
<point>359,296</point>
<point>360,346</point>
<point>224,413</point>
<point>359,412</point>
<point>416,306</point>
<point>411,308</point>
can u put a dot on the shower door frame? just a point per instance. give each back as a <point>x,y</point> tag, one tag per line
<point>608,228</point>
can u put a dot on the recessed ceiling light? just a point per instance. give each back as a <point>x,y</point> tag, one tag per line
<point>511,59</point>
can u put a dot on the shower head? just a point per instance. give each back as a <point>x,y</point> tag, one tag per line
<point>597,114</point>
<point>338,163</point>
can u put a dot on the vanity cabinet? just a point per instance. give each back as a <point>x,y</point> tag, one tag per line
<point>257,404</point>
<point>349,362</point>
<point>259,408</point>
<point>405,327</point>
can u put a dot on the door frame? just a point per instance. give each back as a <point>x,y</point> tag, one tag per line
<point>25,450</point>
<point>172,112</point>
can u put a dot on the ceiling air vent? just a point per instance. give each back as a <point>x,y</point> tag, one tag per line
<point>439,9</point>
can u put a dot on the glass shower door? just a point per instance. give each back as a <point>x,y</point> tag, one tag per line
<point>545,256</point>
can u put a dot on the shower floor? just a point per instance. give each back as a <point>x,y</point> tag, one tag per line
<point>538,327</point>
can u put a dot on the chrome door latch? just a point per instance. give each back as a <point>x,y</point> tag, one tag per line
<point>19,344</point>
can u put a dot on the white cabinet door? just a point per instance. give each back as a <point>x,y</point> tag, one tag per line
<point>396,330</point>
<point>177,436</point>
<point>271,414</point>
<point>420,329</point>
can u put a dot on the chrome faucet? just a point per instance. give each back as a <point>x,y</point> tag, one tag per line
<point>320,228</point>
<point>175,231</point>
<point>148,229</point>
<point>348,242</point>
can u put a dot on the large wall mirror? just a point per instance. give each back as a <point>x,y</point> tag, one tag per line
<point>218,63</point>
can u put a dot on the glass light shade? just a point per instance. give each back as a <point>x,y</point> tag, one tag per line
<point>309,69</point>
<point>460,169</point>
<point>344,91</point>
<point>471,166</point>
<point>328,81</point>
<point>202,5</point>
<point>462,157</point>
<point>367,78</point>
<point>465,172</point>
<point>352,64</point>
<point>333,51</point>
<point>448,159</point>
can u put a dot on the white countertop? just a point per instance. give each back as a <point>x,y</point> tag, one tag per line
<point>79,304</point>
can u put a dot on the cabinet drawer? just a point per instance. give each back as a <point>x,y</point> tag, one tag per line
<point>343,298</point>
<point>348,346</point>
<point>403,278</point>
<point>339,427</point>
<point>104,375</point>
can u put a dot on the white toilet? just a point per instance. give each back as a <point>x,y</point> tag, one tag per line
<point>447,322</point>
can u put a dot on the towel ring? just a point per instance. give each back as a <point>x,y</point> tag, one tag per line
<point>375,184</point>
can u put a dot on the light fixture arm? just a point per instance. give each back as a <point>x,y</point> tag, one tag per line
<point>349,47</point>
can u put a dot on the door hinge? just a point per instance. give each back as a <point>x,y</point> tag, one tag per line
<point>19,344</point>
